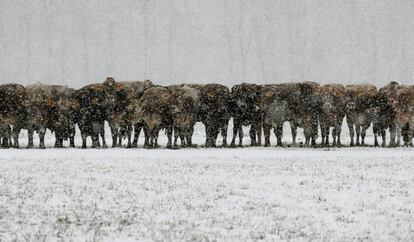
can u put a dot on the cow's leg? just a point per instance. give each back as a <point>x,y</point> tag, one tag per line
<point>42,132</point>
<point>129,134</point>
<point>333,136</point>
<point>363,134</point>
<point>30,132</point>
<point>189,137</point>
<point>351,132</point>
<point>375,129</point>
<point>114,134</point>
<point>236,125</point>
<point>308,135</point>
<point>259,134</point>
<point>409,137</point>
<point>393,132</point>
<point>398,131</point>
<point>95,135</point>
<point>323,134</point>
<point>240,131</point>
<point>84,137</point>
<point>137,131</point>
<point>383,135</point>
<point>358,133</point>
<point>294,131</point>
<point>58,139</point>
<point>224,134</point>
<point>338,135</point>
<point>72,141</point>
<point>147,136</point>
<point>266,132</point>
<point>121,133</point>
<point>175,130</point>
<point>156,134</point>
<point>181,135</point>
<point>278,133</point>
<point>326,131</point>
<point>102,132</point>
<point>4,141</point>
<point>15,133</point>
<point>169,131</point>
<point>252,134</point>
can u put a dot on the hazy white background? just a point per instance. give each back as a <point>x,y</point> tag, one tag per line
<point>229,41</point>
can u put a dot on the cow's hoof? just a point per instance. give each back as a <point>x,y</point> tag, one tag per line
<point>193,146</point>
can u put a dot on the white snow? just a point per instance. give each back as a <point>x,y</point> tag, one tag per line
<point>299,194</point>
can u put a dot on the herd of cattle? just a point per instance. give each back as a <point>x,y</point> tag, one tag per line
<point>143,105</point>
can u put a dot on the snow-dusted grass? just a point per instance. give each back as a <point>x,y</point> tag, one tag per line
<point>333,194</point>
<point>232,194</point>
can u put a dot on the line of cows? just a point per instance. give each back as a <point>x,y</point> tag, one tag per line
<point>143,105</point>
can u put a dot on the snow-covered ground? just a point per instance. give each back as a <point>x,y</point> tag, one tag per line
<point>300,194</point>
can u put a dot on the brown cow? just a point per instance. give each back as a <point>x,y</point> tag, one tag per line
<point>244,107</point>
<point>306,111</point>
<point>403,106</point>
<point>156,115</point>
<point>12,112</point>
<point>332,112</point>
<point>361,110</point>
<point>92,113</point>
<point>277,103</point>
<point>119,96</point>
<point>386,114</point>
<point>185,105</point>
<point>39,106</point>
<point>214,112</point>
<point>63,114</point>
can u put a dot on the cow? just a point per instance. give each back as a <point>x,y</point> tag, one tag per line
<point>403,105</point>
<point>332,112</point>
<point>244,108</point>
<point>185,106</point>
<point>63,115</point>
<point>39,105</point>
<point>306,110</point>
<point>276,105</point>
<point>155,112</point>
<point>386,96</point>
<point>361,110</point>
<point>92,113</point>
<point>12,112</point>
<point>119,97</point>
<point>214,112</point>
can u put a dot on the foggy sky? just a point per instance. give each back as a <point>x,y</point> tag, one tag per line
<point>77,42</point>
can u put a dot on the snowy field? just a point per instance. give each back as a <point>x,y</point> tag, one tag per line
<point>298,194</point>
